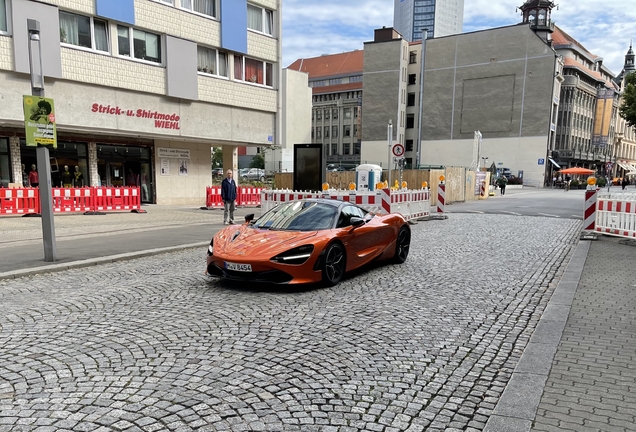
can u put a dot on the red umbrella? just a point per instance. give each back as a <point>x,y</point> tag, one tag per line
<point>576,170</point>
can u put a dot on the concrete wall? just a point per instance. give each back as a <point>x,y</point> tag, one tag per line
<point>297,106</point>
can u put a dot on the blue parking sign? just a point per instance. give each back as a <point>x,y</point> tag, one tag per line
<point>541,161</point>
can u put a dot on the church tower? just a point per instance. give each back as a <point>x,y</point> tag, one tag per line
<point>629,66</point>
<point>537,13</point>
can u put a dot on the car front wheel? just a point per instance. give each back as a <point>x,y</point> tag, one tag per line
<point>334,264</point>
<point>403,245</point>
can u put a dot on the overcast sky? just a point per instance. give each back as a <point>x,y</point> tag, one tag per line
<point>315,27</point>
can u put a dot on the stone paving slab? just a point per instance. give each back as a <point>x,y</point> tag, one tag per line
<point>153,344</point>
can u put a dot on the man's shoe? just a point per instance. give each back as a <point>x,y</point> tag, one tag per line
<point>224,223</point>
<point>231,222</point>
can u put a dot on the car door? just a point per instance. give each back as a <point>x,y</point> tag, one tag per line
<point>361,243</point>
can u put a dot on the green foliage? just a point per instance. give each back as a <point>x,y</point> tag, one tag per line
<point>601,182</point>
<point>628,107</point>
<point>258,161</point>
<point>217,158</point>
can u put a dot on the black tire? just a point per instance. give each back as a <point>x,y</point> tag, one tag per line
<point>244,178</point>
<point>334,264</point>
<point>262,179</point>
<point>402,245</point>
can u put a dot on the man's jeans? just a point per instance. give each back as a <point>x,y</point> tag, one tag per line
<point>228,210</point>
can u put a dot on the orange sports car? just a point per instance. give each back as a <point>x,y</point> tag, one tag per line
<point>305,241</point>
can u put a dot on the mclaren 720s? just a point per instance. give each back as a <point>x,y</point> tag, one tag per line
<point>307,241</point>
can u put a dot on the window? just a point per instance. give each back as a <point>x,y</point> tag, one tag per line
<point>326,131</point>
<point>82,31</point>
<point>211,61</point>
<point>347,113</point>
<point>334,113</point>
<point>319,115</point>
<point>3,16</point>
<point>345,148</point>
<point>204,7</point>
<point>254,71</point>
<point>412,57</point>
<point>142,45</point>
<point>5,173</point>
<point>260,19</point>
<point>334,148</point>
<point>356,78</point>
<point>326,114</point>
<point>410,99</point>
<point>410,121</point>
<point>409,145</point>
<point>335,81</point>
<point>334,132</point>
<point>411,79</point>
<point>346,130</point>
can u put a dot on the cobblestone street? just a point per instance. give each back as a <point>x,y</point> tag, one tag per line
<point>154,344</point>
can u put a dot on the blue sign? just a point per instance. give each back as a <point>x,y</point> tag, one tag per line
<point>541,161</point>
<point>270,138</point>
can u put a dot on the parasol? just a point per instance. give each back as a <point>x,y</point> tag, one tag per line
<point>576,170</point>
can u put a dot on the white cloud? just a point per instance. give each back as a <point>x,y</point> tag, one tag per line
<point>312,28</point>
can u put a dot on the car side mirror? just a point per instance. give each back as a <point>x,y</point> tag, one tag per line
<point>356,221</point>
<point>249,218</point>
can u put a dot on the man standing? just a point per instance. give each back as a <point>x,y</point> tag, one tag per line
<point>228,195</point>
<point>501,182</point>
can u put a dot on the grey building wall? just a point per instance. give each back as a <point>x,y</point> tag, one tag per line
<point>498,81</point>
<point>49,19</point>
<point>181,68</point>
<point>381,88</point>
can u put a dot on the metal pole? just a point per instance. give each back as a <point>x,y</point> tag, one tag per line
<point>390,142</point>
<point>42,152</point>
<point>421,99</point>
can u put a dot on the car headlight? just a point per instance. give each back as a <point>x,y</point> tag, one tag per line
<point>298,255</point>
<point>211,248</point>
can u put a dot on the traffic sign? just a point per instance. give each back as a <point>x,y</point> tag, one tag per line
<point>398,150</point>
<point>541,161</point>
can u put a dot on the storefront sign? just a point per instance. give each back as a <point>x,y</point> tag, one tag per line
<point>39,121</point>
<point>165,167</point>
<point>173,153</point>
<point>162,120</point>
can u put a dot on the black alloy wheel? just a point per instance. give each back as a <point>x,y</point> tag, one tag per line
<point>334,265</point>
<point>402,245</point>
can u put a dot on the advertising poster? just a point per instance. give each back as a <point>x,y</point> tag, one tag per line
<point>39,121</point>
<point>183,167</point>
<point>165,167</point>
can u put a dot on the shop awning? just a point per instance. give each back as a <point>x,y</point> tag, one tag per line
<point>554,163</point>
<point>624,166</point>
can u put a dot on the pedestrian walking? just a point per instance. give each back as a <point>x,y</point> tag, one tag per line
<point>228,195</point>
<point>566,186</point>
<point>501,182</point>
<point>624,183</point>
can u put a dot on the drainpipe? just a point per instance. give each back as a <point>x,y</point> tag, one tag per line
<point>420,107</point>
<point>278,139</point>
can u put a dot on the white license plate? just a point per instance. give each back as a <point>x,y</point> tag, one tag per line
<point>238,267</point>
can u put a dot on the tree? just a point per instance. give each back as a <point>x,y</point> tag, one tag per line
<point>217,157</point>
<point>258,161</point>
<point>628,107</point>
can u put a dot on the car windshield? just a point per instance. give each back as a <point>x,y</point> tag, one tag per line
<point>299,216</point>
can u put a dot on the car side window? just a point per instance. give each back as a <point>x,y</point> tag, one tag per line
<point>344,220</point>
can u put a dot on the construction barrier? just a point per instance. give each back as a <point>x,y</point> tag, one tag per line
<point>589,216</point>
<point>245,197</point>
<point>441,197</point>
<point>19,201</point>
<point>213,197</point>
<point>411,204</point>
<point>71,200</point>
<point>616,214</point>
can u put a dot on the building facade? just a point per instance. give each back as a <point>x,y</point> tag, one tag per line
<point>625,137</point>
<point>143,87</point>
<point>439,17</point>
<point>336,85</point>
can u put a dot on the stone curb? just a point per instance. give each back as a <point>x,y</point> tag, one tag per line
<point>96,261</point>
<point>517,407</point>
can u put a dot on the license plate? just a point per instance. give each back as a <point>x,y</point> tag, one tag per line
<point>238,267</point>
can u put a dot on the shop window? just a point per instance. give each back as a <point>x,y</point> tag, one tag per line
<point>204,7</point>
<point>5,165</point>
<point>260,19</point>
<point>253,71</point>
<point>83,31</point>
<point>4,27</point>
<point>211,61</point>
<point>139,44</point>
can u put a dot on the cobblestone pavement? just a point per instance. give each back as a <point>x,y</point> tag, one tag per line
<point>153,344</point>
<point>592,384</point>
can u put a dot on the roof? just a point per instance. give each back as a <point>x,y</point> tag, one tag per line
<point>537,3</point>
<point>346,63</point>
<point>570,62</point>
<point>561,39</point>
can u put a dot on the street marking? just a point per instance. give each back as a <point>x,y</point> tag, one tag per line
<point>549,215</point>
<point>474,211</point>
<point>512,213</point>
<point>577,216</point>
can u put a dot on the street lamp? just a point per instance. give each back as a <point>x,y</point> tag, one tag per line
<point>42,152</point>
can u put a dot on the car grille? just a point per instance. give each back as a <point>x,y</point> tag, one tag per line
<point>270,276</point>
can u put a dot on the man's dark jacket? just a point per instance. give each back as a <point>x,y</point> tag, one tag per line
<point>228,190</point>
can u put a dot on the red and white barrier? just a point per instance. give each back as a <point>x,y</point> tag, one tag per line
<point>483,189</point>
<point>248,196</point>
<point>616,214</point>
<point>441,197</point>
<point>589,216</point>
<point>72,200</point>
<point>213,197</point>
<point>116,198</point>
<point>19,201</point>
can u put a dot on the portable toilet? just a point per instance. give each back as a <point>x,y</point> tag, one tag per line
<point>367,175</point>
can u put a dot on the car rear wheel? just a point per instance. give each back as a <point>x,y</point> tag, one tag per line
<point>403,245</point>
<point>334,264</point>
<point>262,179</point>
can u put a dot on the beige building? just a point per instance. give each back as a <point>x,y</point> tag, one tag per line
<point>144,87</point>
<point>625,137</point>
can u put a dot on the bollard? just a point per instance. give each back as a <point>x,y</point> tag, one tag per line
<point>589,216</point>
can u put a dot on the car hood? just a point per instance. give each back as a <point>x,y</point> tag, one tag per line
<point>245,241</point>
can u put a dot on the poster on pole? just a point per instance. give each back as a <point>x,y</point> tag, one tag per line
<point>39,121</point>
